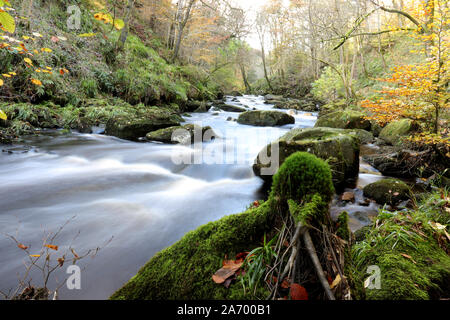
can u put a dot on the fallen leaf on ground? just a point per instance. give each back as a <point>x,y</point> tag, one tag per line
<point>336,282</point>
<point>408,257</point>
<point>298,292</point>
<point>228,270</point>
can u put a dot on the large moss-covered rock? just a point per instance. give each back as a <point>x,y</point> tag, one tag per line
<point>265,118</point>
<point>135,127</point>
<point>387,191</point>
<point>184,270</point>
<point>345,119</point>
<point>339,148</point>
<point>395,131</point>
<point>180,134</point>
<point>331,107</point>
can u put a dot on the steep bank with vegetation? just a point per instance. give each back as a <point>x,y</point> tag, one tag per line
<point>54,76</point>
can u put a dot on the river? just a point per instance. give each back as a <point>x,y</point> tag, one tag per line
<point>134,193</point>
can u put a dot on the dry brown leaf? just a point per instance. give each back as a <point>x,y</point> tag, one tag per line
<point>228,270</point>
<point>336,281</point>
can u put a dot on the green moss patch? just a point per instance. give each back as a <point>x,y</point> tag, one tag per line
<point>184,270</point>
<point>411,252</point>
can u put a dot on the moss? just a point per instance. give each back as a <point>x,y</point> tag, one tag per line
<point>315,210</point>
<point>345,119</point>
<point>184,270</point>
<point>301,176</point>
<point>387,191</point>
<point>395,131</point>
<point>413,261</point>
<point>343,230</point>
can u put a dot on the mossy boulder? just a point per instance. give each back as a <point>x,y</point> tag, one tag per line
<point>265,118</point>
<point>137,126</point>
<point>331,107</point>
<point>336,146</point>
<point>395,131</point>
<point>387,191</point>
<point>364,136</point>
<point>180,134</point>
<point>344,119</point>
<point>184,270</point>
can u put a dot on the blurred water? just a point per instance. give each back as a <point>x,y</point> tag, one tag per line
<point>130,191</point>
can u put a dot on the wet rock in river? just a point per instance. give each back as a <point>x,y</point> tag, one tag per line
<point>336,146</point>
<point>181,134</point>
<point>387,191</point>
<point>132,128</point>
<point>265,118</point>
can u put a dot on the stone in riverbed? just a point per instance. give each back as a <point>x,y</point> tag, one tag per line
<point>336,146</point>
<point>396,130</point>
<point>345,119</point>
<point>180,134</point>
<point>133,128</point>
<point>265,118</point>
<point>230,108</point>
<point>387,191</point>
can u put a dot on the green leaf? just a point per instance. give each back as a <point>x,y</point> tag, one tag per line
<point>3,115</point>
<point>7,22</point>
<point>119,24</point>
<point>86,35</point>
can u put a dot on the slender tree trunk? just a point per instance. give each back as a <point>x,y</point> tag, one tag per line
<point>124,34</point>
<point>248,88</point>
<point>181,26</point>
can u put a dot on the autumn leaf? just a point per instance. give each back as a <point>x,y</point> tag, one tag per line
<point>51,246</point>
<point>298,292</point>
<point>23,247</point>
<point>3,115</point>
<point>61,261</point>
<point>35,255</point>
<point>336,282</point>
<point>28,61</point>
<point>1,84</point>
<point>36,82</point>
<point>228,270</point>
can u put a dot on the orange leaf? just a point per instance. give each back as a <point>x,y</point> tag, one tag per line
<point>23,247</point>
<point>51,246</point>
<point>228,270</point>
<point>36,82</point>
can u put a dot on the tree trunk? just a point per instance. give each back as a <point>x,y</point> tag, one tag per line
<point>124,34</point>
<point>181,26</point>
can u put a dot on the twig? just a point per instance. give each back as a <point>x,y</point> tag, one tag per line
<point>312,253</point>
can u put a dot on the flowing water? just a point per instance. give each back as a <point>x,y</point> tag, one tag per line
<point>133,192</point>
